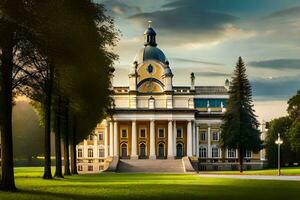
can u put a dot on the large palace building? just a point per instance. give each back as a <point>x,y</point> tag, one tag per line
<point>153,119</point>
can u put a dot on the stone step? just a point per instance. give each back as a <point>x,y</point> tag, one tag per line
<point>151,166</point>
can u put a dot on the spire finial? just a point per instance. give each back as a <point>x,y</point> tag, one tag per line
<point>149,23</point>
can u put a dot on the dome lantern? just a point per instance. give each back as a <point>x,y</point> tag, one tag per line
<point>150,36</point>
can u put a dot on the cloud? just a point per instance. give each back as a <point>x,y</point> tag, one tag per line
<point>294,11</point>
<point>279,64</point>
<point>195,61</point>
<point>212,74</point>
<point>281,88</point>
<point>188,25</point>
<point>120,8</point>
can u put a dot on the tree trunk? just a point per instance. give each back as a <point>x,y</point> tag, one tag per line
<point>241,159</point>
<point>66,143</point>
<point>73,149</point>
<point>8,181</point>
<point>58,164</point>
<point>47,107</point>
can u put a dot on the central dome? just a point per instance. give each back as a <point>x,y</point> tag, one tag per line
<point>150,53</point>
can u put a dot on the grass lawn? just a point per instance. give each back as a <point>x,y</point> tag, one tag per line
<point>292,171</point>
<point>146,186</point>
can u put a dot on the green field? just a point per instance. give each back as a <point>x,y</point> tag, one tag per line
<point>291,171</point>
<point>146,186</point>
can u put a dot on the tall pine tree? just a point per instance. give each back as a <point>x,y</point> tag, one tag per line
<point>240,128</point>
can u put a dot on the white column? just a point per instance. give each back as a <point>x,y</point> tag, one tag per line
<point>197,140</point>
<point>111,136</point>
<point>194,138</point>
<point>116,137</point>
<point>174,137</point>
<point>133,141</point>
<point>106,140</point>
<point>85,149</point>
<point>95,147</point>
<point>152,140</point>
<point>189,139</point>
<point>208,143</point>
<point>170,140</point>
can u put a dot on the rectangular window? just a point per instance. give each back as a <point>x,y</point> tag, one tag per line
<point>79,168</point>
<point>231,153</point>
<point>90,153</point>
<point>142,133</point>
<point>101,152</point>
<point>203,135</point>
<point>215,152</point>
<point>248,154</point>
<point>91,137</point>
<point>179,133</point>
<point>101,168</point>
<point>90,168</point>
<point>202,152</point>
<point>101,136</point>
<point>215,136</point>
<point>124,133</point>
<point>161,132</point>
<point>80,153</point>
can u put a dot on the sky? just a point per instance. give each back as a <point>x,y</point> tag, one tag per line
<point>207,37</point>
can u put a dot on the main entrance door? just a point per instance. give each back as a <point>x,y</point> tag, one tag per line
<point>124,150</point>
<point>142,150</point>
<point>179,150</point>
<point>161,151</point>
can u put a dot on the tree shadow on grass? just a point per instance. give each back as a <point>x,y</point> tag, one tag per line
<point>161,191</point>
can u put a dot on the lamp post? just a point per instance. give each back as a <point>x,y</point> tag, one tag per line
<point>278,142</point>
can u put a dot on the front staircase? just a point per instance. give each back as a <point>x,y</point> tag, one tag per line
<point>151,166</point>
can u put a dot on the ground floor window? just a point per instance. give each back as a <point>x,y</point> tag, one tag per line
<point>248,154</point>
<point>79,167</point>
<point>215,152</point>
<point>231,153</point>
<point>202,152</point>
<point>90,168</point>
<point>101,168</point>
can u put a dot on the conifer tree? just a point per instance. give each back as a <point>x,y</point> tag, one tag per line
<point>240,128</point>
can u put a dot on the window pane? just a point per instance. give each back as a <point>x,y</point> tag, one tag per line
<point>143,133</point>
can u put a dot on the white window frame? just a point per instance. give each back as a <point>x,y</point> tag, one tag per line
<point>181,130</point>
<point>90,155</point>
<point>203,133</point>
<point>140,132</point>
<point>122,129</point>
<point>81,152</point>
<point>231,152</point>
<point>101,149</point>
<point>218,136</point>
<point>101,133</point>
<point>247,152</point>
<point>164,135</point>
<point>212,152</point>
<point>202,152</point>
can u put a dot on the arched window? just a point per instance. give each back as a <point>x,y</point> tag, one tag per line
<point>142,150</point>
<point>124,150</point>
<point>179,150</point>
<point>161,150</point>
